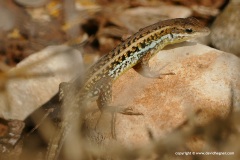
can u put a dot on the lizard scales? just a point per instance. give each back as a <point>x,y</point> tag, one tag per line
<point>148,41</point>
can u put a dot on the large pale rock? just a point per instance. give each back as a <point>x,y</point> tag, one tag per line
<point>51,66</point>
<point>206,81</point>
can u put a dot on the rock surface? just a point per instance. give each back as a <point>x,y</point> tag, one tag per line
<point>206,80</point>
<point>49,68</point>
<point>225,33</point>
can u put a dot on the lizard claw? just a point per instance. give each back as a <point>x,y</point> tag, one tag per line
<point>130,111</point>
<point>164,74</point>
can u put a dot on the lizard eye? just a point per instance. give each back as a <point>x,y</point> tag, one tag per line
<point>188,30</point>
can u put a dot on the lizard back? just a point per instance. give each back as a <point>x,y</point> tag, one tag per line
<point>132,50</point>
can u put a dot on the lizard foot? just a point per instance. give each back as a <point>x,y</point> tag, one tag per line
<point>124,111</point>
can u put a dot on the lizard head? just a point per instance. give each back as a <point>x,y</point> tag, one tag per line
<point>182,29</point>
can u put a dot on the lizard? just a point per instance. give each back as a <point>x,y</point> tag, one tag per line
<point>135,51</point>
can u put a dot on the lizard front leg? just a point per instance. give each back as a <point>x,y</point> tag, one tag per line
<point>144,69</point>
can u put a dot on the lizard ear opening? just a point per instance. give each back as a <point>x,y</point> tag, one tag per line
<point>189,30</point>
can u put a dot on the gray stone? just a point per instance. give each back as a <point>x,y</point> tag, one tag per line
<point>32,3</point>
<point>35,80</point>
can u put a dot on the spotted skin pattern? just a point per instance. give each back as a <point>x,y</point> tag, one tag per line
<point>145,43</point>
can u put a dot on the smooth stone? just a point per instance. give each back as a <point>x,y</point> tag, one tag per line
<point>49,67</point>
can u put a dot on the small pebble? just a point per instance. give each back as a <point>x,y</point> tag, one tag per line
<point>7,19</point>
